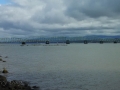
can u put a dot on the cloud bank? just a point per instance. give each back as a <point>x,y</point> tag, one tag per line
<point>22,18</point>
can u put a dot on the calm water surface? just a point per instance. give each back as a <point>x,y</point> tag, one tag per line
<point>71,67</point>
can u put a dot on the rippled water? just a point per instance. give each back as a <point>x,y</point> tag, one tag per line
<point>71,67</point>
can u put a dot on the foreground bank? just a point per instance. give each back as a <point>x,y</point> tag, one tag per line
<point>14,84</point>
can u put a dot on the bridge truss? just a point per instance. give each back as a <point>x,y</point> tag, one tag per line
<point>60,40</point>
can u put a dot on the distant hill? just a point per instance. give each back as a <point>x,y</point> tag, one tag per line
<point>102,36</point>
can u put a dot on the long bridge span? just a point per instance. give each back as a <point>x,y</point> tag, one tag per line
<point>67,40</point>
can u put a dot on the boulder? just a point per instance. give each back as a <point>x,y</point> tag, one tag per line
<point>4,71</point>
<point>2,78</point>
<point>13,85</point>
<point>6,57</point>
<point>36,88</point>
<point>4,61</point>
<point>0,59</point>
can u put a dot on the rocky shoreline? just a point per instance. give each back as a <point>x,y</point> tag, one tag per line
<point>14,84</point>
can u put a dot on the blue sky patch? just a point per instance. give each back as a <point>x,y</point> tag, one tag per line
<point>4,1</point>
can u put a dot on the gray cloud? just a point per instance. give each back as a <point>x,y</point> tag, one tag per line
<point>59,18</point>
<point>93,8</point>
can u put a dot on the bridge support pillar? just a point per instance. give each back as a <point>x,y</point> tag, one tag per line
<point>101,42</point>
<point>47,42</point>
<point>23,43</point>
<point>115,42</point>
<point>67,42</point>
<point>85,42</point>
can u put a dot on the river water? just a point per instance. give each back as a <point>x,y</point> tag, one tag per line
<point>64,67</point>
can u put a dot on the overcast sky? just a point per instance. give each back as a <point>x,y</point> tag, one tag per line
<point>19,18</point>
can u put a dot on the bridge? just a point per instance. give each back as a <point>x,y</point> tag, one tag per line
<point>67,40</point>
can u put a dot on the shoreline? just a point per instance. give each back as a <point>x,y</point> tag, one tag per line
<point>14,84</point>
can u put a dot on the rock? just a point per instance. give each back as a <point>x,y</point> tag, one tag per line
<point>36,88</point>
<point>3,82</point>
<point>2,78</point>
<point>4,71</point>
<point>4,61</point>
<point>6,57</point>
<point>0,59</point>
<point>13,85</point>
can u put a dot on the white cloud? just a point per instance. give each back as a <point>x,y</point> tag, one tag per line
<point>60,17</point>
